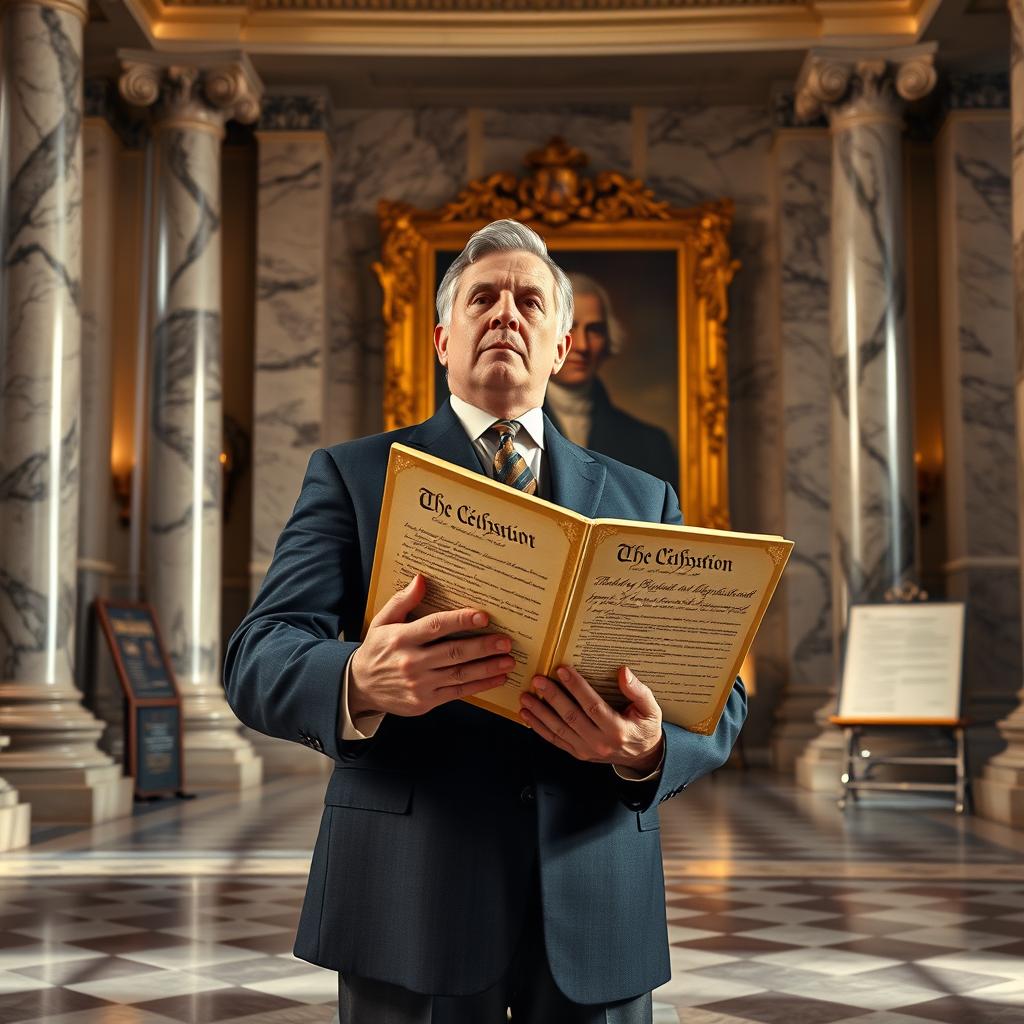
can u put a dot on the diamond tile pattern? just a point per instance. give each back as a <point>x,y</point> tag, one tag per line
<point>755,935</point>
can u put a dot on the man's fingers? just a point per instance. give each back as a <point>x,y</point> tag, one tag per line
<point>593,704</point>
<point>458,649</point>
<point>457,690</point>
<point>641,695</point>
<point>471,671</point>
<point>549,726</point>
<point>400,604</point>
<point>441,624</point>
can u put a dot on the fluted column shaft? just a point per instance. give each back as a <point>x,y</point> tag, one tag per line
<point>53,755</point>
<point>999,793</point>
<point>184,499</point>
<point>873,491</point>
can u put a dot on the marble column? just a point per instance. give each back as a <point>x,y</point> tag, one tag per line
<point>291,337</point>
<point>803,187</point>
<point>973,157</point>
<point>999,793</point>
<point>874,498</point>
<point>96,505</point>
<point>184,516</point>
<point>53,756</point>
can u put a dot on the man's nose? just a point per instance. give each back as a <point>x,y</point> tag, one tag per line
<point>506,314</point>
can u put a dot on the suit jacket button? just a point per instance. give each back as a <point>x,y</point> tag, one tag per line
<point>527,794</point>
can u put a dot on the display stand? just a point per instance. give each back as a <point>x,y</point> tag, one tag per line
<point>152,704</point>
<point>857,756</point>
<point>902,671</point>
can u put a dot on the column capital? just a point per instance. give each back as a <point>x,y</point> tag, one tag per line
<point>849,85</point>
<point>78,8</point>
<point>289,110</point>
<point>195,91</point>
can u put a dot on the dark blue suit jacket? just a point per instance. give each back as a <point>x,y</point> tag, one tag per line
<point>433,828</point>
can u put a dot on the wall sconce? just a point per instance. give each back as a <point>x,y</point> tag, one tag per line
<point>122,481</point>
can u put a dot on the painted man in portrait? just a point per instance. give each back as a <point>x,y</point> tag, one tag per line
<point>578,402</point>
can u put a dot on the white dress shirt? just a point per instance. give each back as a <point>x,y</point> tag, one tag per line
<point>529,442</point>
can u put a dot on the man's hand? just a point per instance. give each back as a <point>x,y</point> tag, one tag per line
<point>409,668</point>
<point>579,721</point>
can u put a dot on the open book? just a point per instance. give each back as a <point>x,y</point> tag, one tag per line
<point>678,604</point>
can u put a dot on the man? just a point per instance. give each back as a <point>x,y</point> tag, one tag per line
<point>466,864</point>
<point>578,403</point>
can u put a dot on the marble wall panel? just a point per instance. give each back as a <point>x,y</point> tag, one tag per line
<point>695,154</point>
<point>294,201</point>
<point>417,156</point>
<point>804,189</point>
<point>603,133</point>
<point>979,422</point>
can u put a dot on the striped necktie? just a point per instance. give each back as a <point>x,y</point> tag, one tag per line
<point>509,466</point>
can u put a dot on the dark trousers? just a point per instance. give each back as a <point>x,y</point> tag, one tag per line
<point>526,988</point>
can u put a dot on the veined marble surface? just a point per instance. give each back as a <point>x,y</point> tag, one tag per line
<point>417,156</point>
<point>604,133</point>
<point>984,357</point>
<point>288,413</point>
<point>696,154</point>
<point>804,190</point>
<point>184,506</point>
<point>873,484</point>
<point>40,347</point>
<point>980,432</point>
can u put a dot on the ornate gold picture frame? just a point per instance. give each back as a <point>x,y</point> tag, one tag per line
<point>608,213</point>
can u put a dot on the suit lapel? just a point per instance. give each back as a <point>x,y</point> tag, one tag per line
<point>577,481</point>
<point>443,436</point>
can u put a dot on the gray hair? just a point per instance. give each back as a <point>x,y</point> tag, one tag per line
<point>584,284</point>
<point>504,236</point>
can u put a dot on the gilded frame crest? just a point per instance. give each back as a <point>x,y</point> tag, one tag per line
<point>573,212</point>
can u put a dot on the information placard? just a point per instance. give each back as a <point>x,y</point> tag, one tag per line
<point>153,726</point>
<point>903,662</point>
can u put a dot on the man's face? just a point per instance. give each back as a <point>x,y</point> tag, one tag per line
<point>589,341</point>
<point>502,344</point>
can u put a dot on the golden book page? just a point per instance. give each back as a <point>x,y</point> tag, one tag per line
<point>678,605</point>
<point>480,544</point>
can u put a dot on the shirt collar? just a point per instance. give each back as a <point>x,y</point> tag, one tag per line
<point>477,421</point>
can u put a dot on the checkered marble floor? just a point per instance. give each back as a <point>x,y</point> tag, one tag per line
<point>781,910</point>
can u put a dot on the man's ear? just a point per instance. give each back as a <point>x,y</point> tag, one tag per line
<point>441,344</point>
<point>561,351</point>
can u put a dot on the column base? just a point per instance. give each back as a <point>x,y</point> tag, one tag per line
<point>86,796</point>
<point>14,821</point>
<point>819,770</point>
<point>282,757</point>
<point>233,768</point>
<point>999,795</point>
<point>789,743</point>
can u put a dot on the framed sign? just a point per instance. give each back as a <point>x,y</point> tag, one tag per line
<point>650,289</point>
<point>903,662</point>
<point>153,723</point>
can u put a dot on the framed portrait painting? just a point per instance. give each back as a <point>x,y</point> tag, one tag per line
<point>645,381</point>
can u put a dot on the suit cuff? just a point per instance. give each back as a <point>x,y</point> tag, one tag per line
<point>630,775</point>
<point>368,723</point>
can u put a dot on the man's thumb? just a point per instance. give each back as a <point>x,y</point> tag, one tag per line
<point>639,694</point>
<point>403,602</point>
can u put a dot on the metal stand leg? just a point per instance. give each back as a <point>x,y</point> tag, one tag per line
<point>961,772</point>
<point>848,773</point>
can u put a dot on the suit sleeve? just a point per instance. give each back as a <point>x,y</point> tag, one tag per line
<point>284,664</point>
<point>688,755</point>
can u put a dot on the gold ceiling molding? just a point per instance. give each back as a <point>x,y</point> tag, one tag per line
<point>537,27</point>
